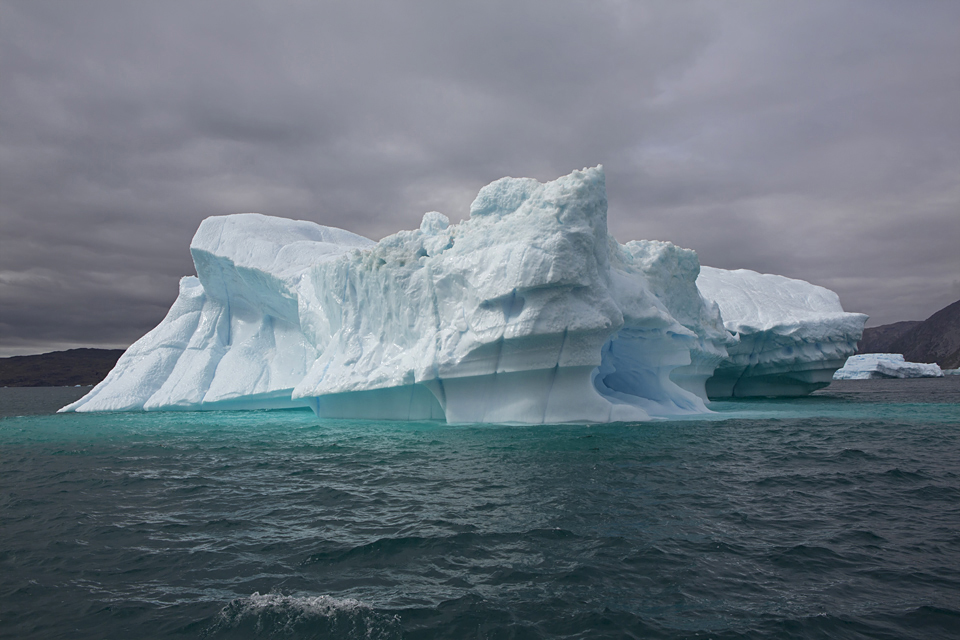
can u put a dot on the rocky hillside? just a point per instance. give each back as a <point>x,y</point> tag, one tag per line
<point>58,368</point>
<point>879,339</point>
<point>936,339</point>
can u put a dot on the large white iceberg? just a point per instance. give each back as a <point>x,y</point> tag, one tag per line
<point>528,312</point>
<point>871,366</point>
<point>792,334</point>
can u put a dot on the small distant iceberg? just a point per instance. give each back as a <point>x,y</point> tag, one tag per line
<point>872,366</point>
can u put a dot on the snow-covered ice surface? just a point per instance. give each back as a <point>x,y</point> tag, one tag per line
<point>792,334</point>
<point>869,366</point>
<point>527,312</point>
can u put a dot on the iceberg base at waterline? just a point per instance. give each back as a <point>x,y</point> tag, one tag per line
<point>528,311</point>
<point>873,366</point>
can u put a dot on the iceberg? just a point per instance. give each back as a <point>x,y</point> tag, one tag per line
<point>792,334</point>
<point>871,366</point>
<point>528,311</point>
<point>232,338</point>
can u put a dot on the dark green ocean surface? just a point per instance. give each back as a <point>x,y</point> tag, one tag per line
<point>833,516</point>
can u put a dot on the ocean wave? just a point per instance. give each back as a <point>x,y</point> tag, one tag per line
<point>274,615</point>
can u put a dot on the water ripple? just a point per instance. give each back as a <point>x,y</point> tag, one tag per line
<point>841,523</point>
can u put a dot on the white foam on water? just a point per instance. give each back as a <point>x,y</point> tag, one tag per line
<point>277,615</point>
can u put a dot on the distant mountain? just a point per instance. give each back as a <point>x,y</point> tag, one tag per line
<point>936,339</point>
<point>58,368</point>
<point>879,339</point>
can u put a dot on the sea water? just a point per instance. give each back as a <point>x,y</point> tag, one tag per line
<point>832,516</point>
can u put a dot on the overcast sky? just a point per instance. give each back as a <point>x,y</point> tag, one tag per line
<point>818,140</point>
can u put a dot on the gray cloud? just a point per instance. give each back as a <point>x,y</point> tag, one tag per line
<point>820,140</point>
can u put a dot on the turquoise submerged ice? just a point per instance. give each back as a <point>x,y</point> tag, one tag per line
<point>527,312</point>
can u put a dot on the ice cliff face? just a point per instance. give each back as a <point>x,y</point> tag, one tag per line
<point>528,312</point>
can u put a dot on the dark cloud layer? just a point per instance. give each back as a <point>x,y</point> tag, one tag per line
<point>820,140</point>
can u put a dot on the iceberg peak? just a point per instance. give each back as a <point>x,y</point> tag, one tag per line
<point>433,223</point>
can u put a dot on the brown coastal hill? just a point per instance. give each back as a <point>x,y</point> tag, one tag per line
<point>936,339</point>
<point>58,368</point>
<point>879,339</point>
